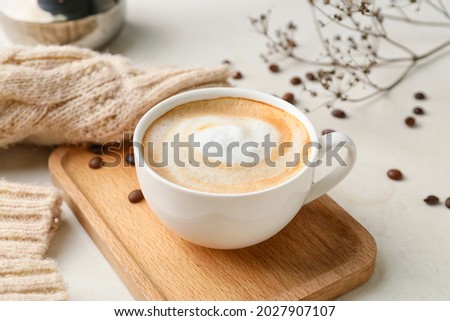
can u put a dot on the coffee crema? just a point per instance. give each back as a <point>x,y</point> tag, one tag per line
<point>226,145</point>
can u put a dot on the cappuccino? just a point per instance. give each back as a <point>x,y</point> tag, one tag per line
<point>226,145</point>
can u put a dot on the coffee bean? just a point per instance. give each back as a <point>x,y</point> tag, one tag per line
<point>431,200</point>
<point>289,97</point>
<point>274,68</point>
<point>135,196</point>
<point>447,202</point>
<point>310,76</point>
<point>410,121</point>
<point>327,131</point>
<point>226,62</point>
<point>237,75</point>
<point>96,149</point>
<point>130,159</point>
<point>291,43</point>
<point>395,174</point>
<point>418,111</point>
<point>339,113</point>
<point>96,162</point>
<point>296,81</point>
<point>420,96</point>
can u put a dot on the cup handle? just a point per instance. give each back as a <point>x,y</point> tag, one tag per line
<point>328,142</point>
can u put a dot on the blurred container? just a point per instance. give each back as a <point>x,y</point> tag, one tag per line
<point>84,23</point>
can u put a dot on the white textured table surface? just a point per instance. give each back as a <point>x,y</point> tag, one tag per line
<point>413,238</point>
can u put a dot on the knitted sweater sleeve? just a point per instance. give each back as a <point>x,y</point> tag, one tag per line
<point>29,217</point>
<point>52,95</point>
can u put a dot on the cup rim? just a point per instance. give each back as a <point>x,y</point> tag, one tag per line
<point>213,93</point>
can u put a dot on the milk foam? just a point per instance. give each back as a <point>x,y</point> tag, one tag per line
<point>227,130</point>
<point>223,122</point>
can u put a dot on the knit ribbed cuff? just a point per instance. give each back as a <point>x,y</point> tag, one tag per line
<point>29,217</point>
<point>30,280</point>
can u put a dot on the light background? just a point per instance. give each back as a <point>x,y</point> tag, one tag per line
<point>413,238</point>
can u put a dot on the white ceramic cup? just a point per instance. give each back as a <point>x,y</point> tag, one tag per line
<point>230,221</point>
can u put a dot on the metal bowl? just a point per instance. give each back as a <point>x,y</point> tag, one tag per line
<point>84,23</point>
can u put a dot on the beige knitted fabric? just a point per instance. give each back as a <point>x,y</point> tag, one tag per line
<point>52,95</point>
<point>26,279</point>
<point>29,217</point>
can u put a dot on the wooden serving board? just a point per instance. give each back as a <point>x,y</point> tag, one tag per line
<point>320,255</point>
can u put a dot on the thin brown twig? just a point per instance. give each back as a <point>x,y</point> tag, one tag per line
<point>417,22</point>
<point>441,10</point>
<point>350,62</point>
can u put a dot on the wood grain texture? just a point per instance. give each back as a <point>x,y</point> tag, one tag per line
<point>320,255</point>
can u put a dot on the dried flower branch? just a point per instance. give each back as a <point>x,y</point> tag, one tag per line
<point>352,57</point>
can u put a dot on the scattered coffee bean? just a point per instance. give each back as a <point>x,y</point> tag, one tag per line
<point>420,96</point>
<point>310,76</point>
<point>237,75</point>
<point>447,202</point>
<point>296,81</point>
<point>327,131</point>
<point>339,113</point>
<point>96,149</point>
<point>418,111</point>
<point>130,159</point>
<point>274,68</point>
<point>96,162</point>
<point>226,62</point>
<point>395,174</point>
<point>289,97</point>
<point>410,121</point>
<point>291,43</point>
<point>135,196</point>
<point>431,200</point>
